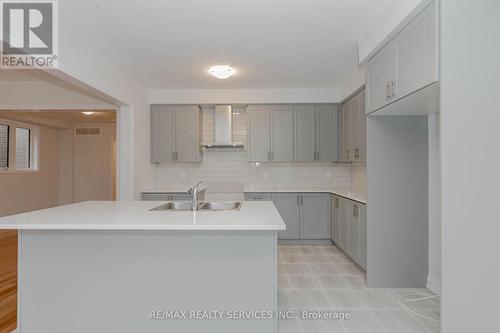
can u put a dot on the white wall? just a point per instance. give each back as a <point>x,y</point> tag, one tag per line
<point>93,163</point>
<point>82,65</point>
<point>470,159</point>
<point>434,278</point>
<point>26,191</point>
<point>40,95</point>
<point>243,96</point>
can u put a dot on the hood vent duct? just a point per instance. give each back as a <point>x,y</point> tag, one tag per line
<point>223,129</point>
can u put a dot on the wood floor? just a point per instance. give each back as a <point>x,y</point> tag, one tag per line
<point>8,281</point>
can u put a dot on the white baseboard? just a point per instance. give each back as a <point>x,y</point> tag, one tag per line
<point>434,284</point>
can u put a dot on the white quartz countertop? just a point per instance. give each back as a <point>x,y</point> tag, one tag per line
<point>343,192</point>
<point>135,215</point>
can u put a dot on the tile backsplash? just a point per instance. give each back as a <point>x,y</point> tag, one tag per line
<point>226,173</point>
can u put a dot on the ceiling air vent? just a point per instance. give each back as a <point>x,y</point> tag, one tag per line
<point>88,131</point>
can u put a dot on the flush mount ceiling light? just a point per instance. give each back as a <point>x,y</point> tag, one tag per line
<point>88,113</point>
<point>221,71</point>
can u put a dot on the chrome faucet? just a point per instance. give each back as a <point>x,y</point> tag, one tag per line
<point>194,194</point>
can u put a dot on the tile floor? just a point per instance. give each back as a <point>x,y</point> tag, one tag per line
<point>322,279</point>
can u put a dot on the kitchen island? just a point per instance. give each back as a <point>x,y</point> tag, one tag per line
<point>118,267</point>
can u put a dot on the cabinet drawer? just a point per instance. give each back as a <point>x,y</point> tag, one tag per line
<point>258,197</point>
<point>154,196</point>
<point>166,196</point>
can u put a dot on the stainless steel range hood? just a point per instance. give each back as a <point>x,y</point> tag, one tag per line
<point>223,129</point>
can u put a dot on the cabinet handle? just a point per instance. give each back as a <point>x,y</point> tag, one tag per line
<point>356,153</point>
<point>392,89</point>
<point>387,89</point>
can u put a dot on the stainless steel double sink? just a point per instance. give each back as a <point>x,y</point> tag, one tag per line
<point>202,206</point>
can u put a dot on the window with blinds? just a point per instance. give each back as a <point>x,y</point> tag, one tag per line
<point>23,148</point>
<point>4,146</point>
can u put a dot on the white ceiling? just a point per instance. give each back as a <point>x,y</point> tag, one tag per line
<point>271,43</point>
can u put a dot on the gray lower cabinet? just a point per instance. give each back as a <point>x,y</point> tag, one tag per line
<point>314,216</point>
<point>349,228</point>
<point>306,215</point>
<point>353,225</point>
<point>170,196</point>
<point>345,213</point>
<point>363,244</point>
<point>288,205</point>
<point>336,218</point>
<point>254,196</point>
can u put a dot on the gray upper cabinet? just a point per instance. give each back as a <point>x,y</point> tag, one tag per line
<point>315,216</point>
<point>175,133</point>
<point>327,135</point>
<point>346,132</point>
<point>382,77</point>
<point>282,133</point>
<point>259,133</point>
<point>288,206</point>
<point>286,133</point>
<point>187,134</point>
<point>406,64</point>
<point>416,53</point>
<point>361,154</point>
<point>304,133</point>
<point>354,129</point>
<point>162,134</point>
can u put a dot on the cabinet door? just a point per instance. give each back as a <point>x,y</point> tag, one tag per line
<point>326,133</point>
<point>282,133</point>
<point>305,133</point>
<point>254,196</point>
<point>382,78</point>
<point>362,128</point>
<point>355,128</point>
<point>353,245</point>
<point>287,205</point>
<point>187,134</point>
<point>335,219</point>
<point>362,236</point>
<point>315,216</point>
<point>345,209</point>
<point>259,133</point>
<point>162,134</point>
<point>347,131</point>
<point>416,53</point>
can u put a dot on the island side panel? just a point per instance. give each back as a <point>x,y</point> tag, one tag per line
<point>110,281</point>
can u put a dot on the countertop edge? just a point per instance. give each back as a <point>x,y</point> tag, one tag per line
<point>361,201</point>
